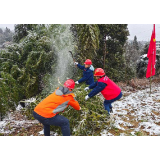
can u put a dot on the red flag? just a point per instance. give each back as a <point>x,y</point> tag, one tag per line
<point>151,55</point>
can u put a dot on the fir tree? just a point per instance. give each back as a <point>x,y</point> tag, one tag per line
<point>23,66</point>
<point>113,47</point>
<point>88,39</point>
<point>135,43</point>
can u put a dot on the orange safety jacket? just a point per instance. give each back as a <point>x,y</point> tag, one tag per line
<point>57,102</point>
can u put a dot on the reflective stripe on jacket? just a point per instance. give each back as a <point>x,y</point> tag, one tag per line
<point>56,102</point>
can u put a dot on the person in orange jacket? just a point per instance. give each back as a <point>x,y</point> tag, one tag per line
<point>46,112</point>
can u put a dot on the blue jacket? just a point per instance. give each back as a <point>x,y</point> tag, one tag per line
<point>97,87</point>
<point>87,74</point>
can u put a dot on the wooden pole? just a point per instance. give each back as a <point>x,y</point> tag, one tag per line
<point>150,86</point>
<point>150,79</point>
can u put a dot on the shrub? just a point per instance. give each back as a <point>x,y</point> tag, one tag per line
<point>89,121</point>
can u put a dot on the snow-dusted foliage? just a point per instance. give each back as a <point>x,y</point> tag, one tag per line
<point>22,67</point>
<point>142,63</point>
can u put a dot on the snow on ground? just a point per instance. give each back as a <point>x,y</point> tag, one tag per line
<point>134,114</point>
<point>137,113</point>
<point>51,133</point>
<point>15,121</point>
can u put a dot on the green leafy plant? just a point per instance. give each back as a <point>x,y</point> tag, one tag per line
<point>92,117</point>
<point>89,121</point>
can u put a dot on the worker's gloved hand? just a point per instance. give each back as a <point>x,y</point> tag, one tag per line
<point>75,63</point>
<point>87,88</point>
<point>86,97</point>
<point>76,82</point>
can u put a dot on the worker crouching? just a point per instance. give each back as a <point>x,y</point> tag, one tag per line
<point>110,91</point>
<point>46,112</point>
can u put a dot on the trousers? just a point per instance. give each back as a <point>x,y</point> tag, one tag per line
<point>57,120</point>
<point>108,103</point>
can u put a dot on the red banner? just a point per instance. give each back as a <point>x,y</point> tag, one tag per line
<point>151,55</point>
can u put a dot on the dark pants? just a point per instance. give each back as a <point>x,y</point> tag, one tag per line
<point>107,103</point>
<point>57,120</point>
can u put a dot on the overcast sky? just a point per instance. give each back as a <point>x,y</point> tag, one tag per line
<point>142,31</point>
<point>11,26</point>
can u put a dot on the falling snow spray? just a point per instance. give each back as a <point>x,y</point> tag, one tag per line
<point>62,43</point>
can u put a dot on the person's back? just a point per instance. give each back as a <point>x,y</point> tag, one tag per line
<point>47,110</point>
<point>110,91</point>
<point>56,102</point>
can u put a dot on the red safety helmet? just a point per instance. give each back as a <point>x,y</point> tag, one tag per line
<point>99,72</point>
<point>69,83</point>
<point>88,62</point>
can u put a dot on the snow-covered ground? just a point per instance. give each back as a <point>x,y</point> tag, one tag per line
<point>134,114</point>
<point>137,114</point>
<point>16,121</point>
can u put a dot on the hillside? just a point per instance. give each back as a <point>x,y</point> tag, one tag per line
<point>135,114</point>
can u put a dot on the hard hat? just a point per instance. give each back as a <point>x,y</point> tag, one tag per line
<point>69,83</point>
<point>88,62</point>
<point>99,72</point>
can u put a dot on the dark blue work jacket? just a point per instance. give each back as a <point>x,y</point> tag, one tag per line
<point>87,74</point>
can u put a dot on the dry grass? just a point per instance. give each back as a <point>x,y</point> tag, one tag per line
<point>136,84</point>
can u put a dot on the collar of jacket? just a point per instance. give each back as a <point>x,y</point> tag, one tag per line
<point>63,91</point>
<point>91,68</point>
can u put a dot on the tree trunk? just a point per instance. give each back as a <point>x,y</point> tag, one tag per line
<point>104,58</point>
